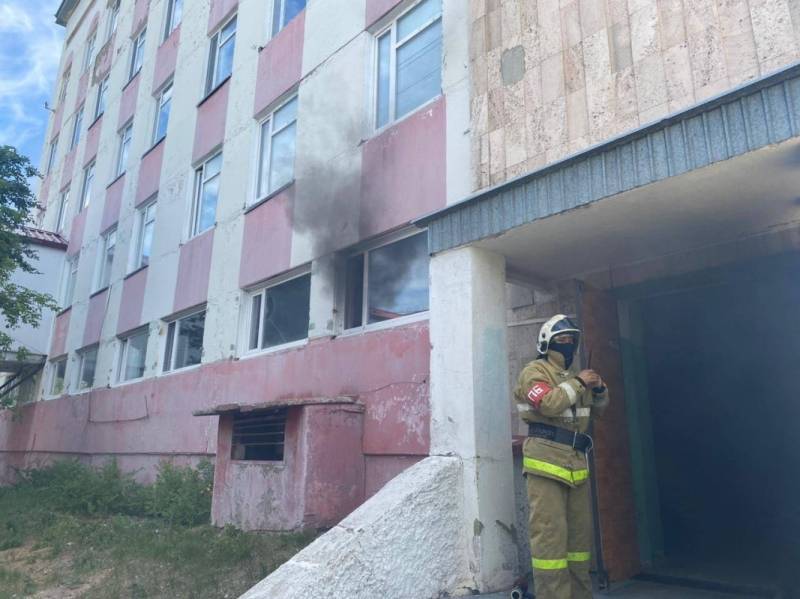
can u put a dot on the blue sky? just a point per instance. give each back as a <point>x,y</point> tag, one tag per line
<point>30,49</point>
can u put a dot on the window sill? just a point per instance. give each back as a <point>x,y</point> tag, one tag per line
<point>154,146</point>
<point>268,197</point>
<point>131,80</point>
<point>387,324</point>
<point>135,271</point>
<point>275,349</point>
<point>64,311</point>
<point>126,383</point>
<point>276,465</point>
<point>95,121</point>
<point>99,291</point>
<point>384,128</point>
<point>199,234</point>
<point>180,370</point>
<point>213,91</point>
<point>115,179</point>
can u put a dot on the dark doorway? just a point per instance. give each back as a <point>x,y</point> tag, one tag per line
<point>720,360</point>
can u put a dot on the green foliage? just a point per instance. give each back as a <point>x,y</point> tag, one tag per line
<point>18,305</point>
<point>182,495</point>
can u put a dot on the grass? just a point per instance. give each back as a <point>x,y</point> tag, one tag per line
<point>69,538</point>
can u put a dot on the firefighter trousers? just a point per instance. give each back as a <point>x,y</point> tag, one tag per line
<point>560,527</point>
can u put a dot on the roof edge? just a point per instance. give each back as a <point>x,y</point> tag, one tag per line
<point>65,11</point>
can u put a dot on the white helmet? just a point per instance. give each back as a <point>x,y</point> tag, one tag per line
<point>557,325</point>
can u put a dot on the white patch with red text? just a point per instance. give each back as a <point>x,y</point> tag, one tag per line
<point>537,393</point>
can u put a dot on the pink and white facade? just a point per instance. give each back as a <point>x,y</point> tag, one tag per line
<point>203,153</point>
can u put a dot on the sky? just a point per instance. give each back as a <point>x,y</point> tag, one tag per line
<point>30,49</point>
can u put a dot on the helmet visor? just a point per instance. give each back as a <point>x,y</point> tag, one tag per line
<point>565,325</point>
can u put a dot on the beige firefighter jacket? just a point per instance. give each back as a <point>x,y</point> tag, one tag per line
<point>550,393</point>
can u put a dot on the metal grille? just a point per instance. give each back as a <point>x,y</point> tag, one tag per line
<point>259,435</point>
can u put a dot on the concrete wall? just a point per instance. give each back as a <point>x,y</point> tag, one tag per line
<point>552,78</point>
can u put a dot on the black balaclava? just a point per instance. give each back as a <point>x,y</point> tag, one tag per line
<point>565,349</point>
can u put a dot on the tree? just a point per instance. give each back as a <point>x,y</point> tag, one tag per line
<point>18,305</point>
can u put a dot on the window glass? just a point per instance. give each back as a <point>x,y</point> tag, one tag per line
<point>88,180</point>
<point>162,116</point>
<point>189,344</point>
<point>112,19</point>
<point>137,54</point>
<point>205,209</point>
<point>144,242</point>
<point>354,278</point>
<point>286,308</point>
<point>107,258</point>
<point>68,285</point>
<point>419,72</point>
<point>284,11</point>
<point>133,356</point>
<point>398,279</point>
<point>220,64</point>
<point>59,376</point>
<point>384,74</point>
<point>414,19</point>
<point>102,91</point>
<point>174,14</point>
<point>62,210</point>
<point>255,321</point>
<point>51,159</point>
<point>124,148</point>
<point>87,61</point>
<point>277,149</point>
<point>76,128</point>
<point>88,366</point>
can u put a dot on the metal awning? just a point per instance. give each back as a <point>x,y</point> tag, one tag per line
<point>229,408</point>
<point>759,114</point>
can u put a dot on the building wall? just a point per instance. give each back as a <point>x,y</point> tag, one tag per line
<point>345,191</point>
<point>552,78</point>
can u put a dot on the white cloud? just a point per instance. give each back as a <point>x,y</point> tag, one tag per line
<point>30,51</point>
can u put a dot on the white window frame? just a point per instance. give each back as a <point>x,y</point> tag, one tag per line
<point>102,90</point>
<point>54,363</point>
<point>246,321</point>
<point>216,43</point>
<point>108,242</point>
<point>63,205</point>
<point>166,91</point>
<point>86,187</point>
<point>170,22</point>
<point>137,54</point>
<point>275,30</point>
<point>365,324</point>
<point>89,52</point>
<point>123,151</point>
<point>123,355</point>
<point>172,343</point>
<point>69,277</point>
<point>51,157</point>
<point>200,182</point>
<point>394,45</point>
<point>76,127</point>
<point>268,122</point>
<point>113,16</point>
<point>82,353</point>
<point>62,93</point>
<point>145,214</point>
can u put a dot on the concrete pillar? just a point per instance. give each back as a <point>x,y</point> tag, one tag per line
<point>469,404</point>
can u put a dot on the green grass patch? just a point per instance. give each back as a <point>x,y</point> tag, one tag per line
<point>72,526</point>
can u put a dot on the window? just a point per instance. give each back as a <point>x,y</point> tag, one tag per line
<point>124,147</point>
<point>89,56</point>
<point>132,356</point>
<point>162,114</point>
<point>206,193</point>
<point>68,278</point>
<point>102,92</point>
<point>63,205</point>
<point>279,313</point>
<point>276,149</point>
<point>145,223</point>
<point>184,341</point>
<point>51,156</point>
<point>137,54</point>
<point>64,82</point>
<point>76,128</point>
<point>259,435</point>
<point>284,11</point>
<point>106,259</point>
<point>409,62</point>
<point>113,16</point>
<point>220,58</point>
<point>59,370</point>
<point>387,282</point>
<point>174,13</point>
<point>88,358</point>
<point>86,189</point>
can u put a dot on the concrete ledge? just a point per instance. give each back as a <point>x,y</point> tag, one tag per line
<point>403,543</point>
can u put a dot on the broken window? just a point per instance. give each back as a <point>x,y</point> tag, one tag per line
<point>185,341</point>
<point>259,435</point>
<point>279,313</point>
<point>59,370</point>
<point>387,282</point>
<point>132,356</point>
<point>409,62</point>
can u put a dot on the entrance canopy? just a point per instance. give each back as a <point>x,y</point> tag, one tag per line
<point>718,172</point>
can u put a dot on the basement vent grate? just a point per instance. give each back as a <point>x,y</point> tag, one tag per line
<point>259,435</point>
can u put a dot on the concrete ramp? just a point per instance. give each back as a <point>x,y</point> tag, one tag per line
<point>404,543</point>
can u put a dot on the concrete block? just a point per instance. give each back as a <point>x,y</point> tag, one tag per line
<point>705,43</point>
<point>593,17</point>
<point>570,24</point>
<point>549,28</point>
<point>497,152</point>
<point>644,32</point>
<point>573,69</point>
<point>494,29</point>
<point>577,116</point>
<point>596,56</point>
<point>651,85</point>
<point>511,22</point>
<point>772,28</point>
<point>552,77</point>
<point>671,25</point>
<point>621,55</point>
<point>678,72</point>
<point>740,56</point>
<point>617,11</point>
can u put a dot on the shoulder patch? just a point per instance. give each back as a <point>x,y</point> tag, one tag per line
<point>537,392</point>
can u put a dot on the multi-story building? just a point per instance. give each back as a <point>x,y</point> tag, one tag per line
<point>317,241</point>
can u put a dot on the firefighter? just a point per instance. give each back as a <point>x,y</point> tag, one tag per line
<point>557,405</point>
